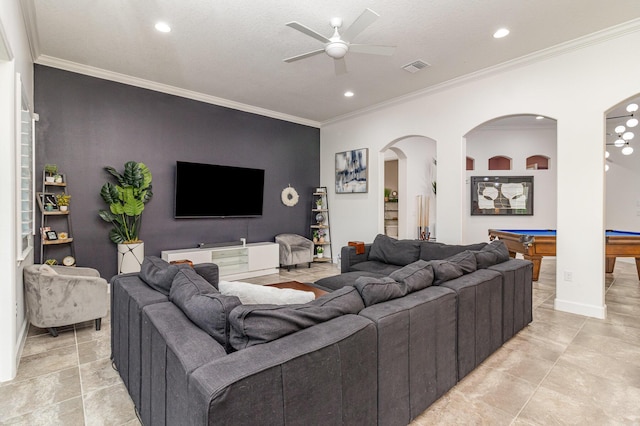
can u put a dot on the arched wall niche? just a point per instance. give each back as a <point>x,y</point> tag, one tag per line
<point>416,156</point>
<point>471,163</point>
<point>515,137</point>
<point>500,162</point>
<point>537,162</point>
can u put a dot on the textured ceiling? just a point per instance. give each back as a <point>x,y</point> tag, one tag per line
<point>234,50</point>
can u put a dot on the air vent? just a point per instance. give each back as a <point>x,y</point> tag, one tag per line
<point>416,66</point>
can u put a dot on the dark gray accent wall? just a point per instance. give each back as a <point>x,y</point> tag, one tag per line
<point>88,123</point>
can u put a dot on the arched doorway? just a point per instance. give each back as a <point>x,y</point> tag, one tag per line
<point>622,165</point>
<point>416,176</point>
<point>513,141</point>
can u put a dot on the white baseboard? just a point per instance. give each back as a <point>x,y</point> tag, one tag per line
<point>599,312</point>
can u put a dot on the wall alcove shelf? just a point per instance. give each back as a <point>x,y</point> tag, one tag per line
<point>320,227</point>
<point>54,219</point>
<point>391,218</point>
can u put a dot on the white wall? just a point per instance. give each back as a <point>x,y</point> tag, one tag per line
<point>575,88</point>
<point>15,58</point>
<point>623,190</point>
<point>517,144</point>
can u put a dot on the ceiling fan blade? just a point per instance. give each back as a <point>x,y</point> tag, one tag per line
<point>340,66</point>
<point>365,19</point>
<point>308,31</point>
<point>304,55</point>
<point>372,49</point>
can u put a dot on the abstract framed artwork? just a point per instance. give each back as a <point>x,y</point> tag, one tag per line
<point>351,171</point>
<point>502,195</point>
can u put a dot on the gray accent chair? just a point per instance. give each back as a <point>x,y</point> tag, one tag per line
<point>58,295</point>
<point>294,249</point>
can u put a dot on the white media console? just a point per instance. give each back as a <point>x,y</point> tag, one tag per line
<point>234,262</point>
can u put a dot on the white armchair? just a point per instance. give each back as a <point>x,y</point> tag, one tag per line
<point>60,295</point>
<point>294,249</point>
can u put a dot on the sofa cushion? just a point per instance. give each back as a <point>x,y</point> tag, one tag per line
<point>466,260</point>
<point>256,324</point>
<point>396,252</point>
<point>208,271</point>
<point>375,267</point>
<point>431,250</point>
<point>203,304</point>
<point>415,276</point>
<point>443,271</point>
<point>253,294</point>
<point>376,290</point>
<point>159,274</point>
<point>492,254</point>
<point>336,282</point>
<point>346,300</point>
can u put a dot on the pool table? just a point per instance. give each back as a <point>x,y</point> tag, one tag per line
<point>534,244</point>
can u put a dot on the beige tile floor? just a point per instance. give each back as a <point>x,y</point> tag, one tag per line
<point>561,369</point>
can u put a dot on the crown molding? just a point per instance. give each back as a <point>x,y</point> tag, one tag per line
<point>541,55</point>
<point>29,16</point>
<point>165,88</point>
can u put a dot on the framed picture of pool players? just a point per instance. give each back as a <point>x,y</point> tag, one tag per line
<point>502,195</point>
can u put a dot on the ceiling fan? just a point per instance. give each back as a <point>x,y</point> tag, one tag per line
<point>338,45</point>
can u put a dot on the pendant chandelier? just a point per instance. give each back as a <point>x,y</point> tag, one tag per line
<point>621,131</point>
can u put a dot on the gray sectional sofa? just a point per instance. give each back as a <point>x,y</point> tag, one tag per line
<point>378,349</point>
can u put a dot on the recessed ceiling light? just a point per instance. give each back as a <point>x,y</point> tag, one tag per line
<point>539,117</point>
<point>163,27</point>
<point>348,94</point>
<point>502,32</point>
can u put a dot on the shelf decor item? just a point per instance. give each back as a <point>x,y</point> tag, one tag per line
<point>126,200</point>
<point>50,170</point>
<point>63,201</point>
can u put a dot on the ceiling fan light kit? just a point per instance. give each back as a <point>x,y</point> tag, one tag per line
<point>337,49</point>
<point>339,45</point>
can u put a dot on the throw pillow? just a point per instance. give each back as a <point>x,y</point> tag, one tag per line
<point>158,274</point>
<point>203,304</point>
<point>377,290</point>
<point>444,270</point>
<point>252,294</point>
<point>492,254</point>
<point>466,260</point>
<point>415,276</point>
<point>430,250</point>
<point>395,252</point>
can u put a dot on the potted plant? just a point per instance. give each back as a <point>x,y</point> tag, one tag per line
<point>316,234</point>
<point>50,170</point>
<point>63,201</point>
<point>126,200</point>
<point>320,252</point>
<point>57,178</point>
<point>319,203</point>
<point>321,233</point>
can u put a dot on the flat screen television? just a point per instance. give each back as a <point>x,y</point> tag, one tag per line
<point>209,190</point>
